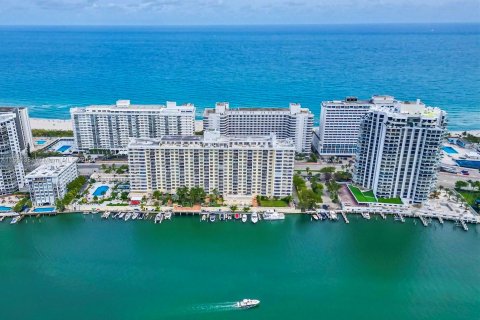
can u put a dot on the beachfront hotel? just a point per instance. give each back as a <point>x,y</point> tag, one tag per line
<point>398,151</point>
<point>12,172</point>
<point>340,120</point>
<point>22,124</point>
<point>49,181</point>
<point>241,166</point>
<point>293,122</point>
<point>109,127</point>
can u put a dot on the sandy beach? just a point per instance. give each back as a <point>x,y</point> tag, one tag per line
<point>50,124</point>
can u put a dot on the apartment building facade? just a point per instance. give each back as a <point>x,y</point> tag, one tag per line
<point>399,150</point>
<point>337,134</point>
<point>254,165</point>
<point>109,127</point>
<point>293,122</point>
<point>22,124</point>
<point>49,181</point>
<point>12,174</point>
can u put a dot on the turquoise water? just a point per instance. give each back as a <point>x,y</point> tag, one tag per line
<point>449,150</point>
<point>100,191</point>
<point>44,209</point>
<point>63,148</point>
<point>41,142</point>
<point>51,69</point>
<point>79,267</point>
<point>3,208</point>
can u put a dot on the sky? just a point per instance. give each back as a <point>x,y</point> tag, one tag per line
<point>233,12</point>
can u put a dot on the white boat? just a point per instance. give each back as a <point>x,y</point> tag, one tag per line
<point>247,303</point>
<point>273,215</point>
<point>135,215</point>
<point>168,215</point>
<point>333,215</point>
<point>159,218</point>
<point>212,217</point>
<point>254,217</point>
<point>244,218</point>
<point>15,219</point>
<point>128,216</point>
<point>120,216</point>
<point>315,216</point>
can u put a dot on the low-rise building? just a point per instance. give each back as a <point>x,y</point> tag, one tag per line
<point>255,165</point>
<point>293,122</point>
<point>109,127</point>
<point>49,181</point>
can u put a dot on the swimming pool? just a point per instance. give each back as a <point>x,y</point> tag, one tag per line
<point>41,142</point>
<point>449,150</point>
<point>4,209</point>
<point>63,148</point>
<point>44,209</point>
<point>474,164</point>
<point>100,191</point>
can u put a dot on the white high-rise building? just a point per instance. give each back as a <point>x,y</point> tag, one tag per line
<point>255,165</point>
<point>294,122</point>
<point>12,173</point>
<point>22,123</point>
<point>399,150</point>
<point>49,181</point>
<point>337,134</point>
<point>109,127</point>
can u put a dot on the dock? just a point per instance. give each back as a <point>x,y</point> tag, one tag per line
<point>440,219</point>
<point>345,217</point>
<point>384,217</point>
<point>424,222</point>
<point>464,225</point>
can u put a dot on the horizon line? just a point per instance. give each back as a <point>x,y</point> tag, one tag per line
<point>243,25</point>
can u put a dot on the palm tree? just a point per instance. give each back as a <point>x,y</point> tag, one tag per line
<point>233,208</point>
<point>246,209</point>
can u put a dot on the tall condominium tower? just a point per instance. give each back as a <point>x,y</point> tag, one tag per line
<point>12,173</point>
<point>255,165</point>
<point>294,122</point>
<point>337,134</point>
<point>109,127</point>
<point>22,124</point>
<point>399,150</point>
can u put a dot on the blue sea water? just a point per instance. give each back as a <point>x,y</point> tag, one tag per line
<point>51,69</point>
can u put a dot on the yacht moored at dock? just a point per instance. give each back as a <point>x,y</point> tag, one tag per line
<point>254,217</point>
<point>273,215</point>
<point>244,218</point>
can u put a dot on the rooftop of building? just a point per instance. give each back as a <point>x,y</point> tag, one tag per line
<point>10,108</point>
<point>221,107</point>
<point>51,167</point>
<point>411,108</point>
<point>126,105</point>
<point>376,99</point>
<point>212,136</point>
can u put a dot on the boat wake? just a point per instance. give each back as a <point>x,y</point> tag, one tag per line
<point>214,307</point>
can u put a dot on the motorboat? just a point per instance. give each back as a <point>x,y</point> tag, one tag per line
<point>121,215</point>
<point>254,217</point>
<point>244,218</point>
<point>333,215</point>
<point>221,217</point>
<point>213,217</point>
<point>315,216</point>
<point>273,215</point>
<point>237,216</point>
<point>15,220</point>
<point>128,216</point>
<point>135,215</point>
<point>159,218</point>
<point>247,303</point>
<point>168,215</point>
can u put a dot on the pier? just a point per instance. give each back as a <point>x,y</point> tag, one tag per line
<point>424,221</point>
<point>345,217</point>
<point>464,225</point>
<point>384,217</point>
<point>440,219</point>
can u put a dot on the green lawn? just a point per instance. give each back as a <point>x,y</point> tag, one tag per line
<point>273,203</point>
<point>470,196</point>
<point>362,197</point>
<point>390,200</point>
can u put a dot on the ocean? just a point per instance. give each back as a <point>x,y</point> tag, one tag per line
<point>51,69</point>
<point>80,267</point>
